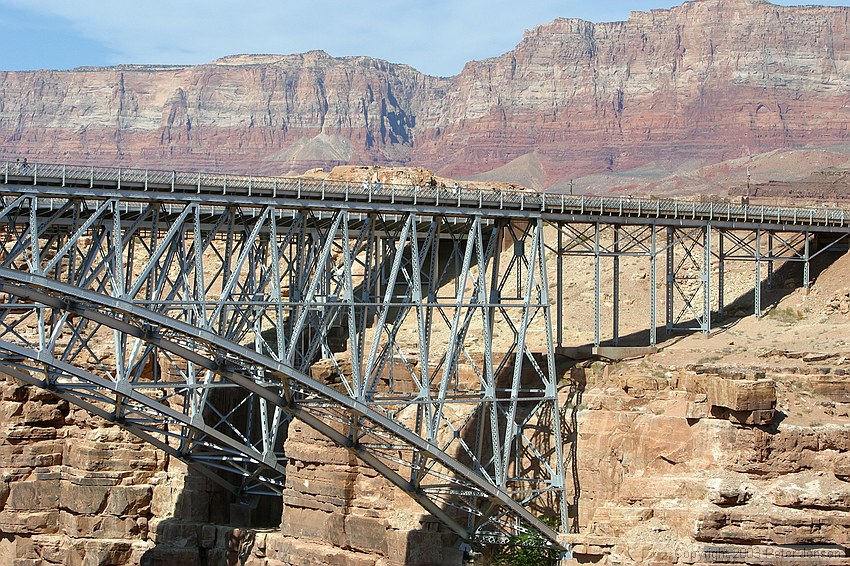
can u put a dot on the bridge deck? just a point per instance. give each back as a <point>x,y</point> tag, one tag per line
<point>170,186</point>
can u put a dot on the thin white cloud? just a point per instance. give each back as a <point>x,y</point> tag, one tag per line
<point>436,37</point>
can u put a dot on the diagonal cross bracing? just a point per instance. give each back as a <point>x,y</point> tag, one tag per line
<point>381,441</point>
<point>443,405</point>
<point>192,309</point>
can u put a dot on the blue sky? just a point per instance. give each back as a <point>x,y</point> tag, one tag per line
<point>434,36</point>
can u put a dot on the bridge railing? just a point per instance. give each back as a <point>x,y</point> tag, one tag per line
<point>439,195</point>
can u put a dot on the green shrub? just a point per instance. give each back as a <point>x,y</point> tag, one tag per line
<point>529,550</point>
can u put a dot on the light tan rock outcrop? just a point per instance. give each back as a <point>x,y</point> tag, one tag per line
<point>659,486</point>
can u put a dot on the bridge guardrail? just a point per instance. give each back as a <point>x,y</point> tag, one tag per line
<point>459,196</point>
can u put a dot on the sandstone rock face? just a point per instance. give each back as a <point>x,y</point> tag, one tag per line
<point>339,511</point>
<point>659,477</point>
<point>254,113</point>
<point>75,490</point>
<point>710,78</point>
<point>663,485</point>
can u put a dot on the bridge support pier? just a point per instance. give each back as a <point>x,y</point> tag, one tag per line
<point>670,280</point>
<point>770,251</point>
<point>706,280</point>
<point>721,275</point>
<point>559,290</point>
<point>807,279</point>
<point>653,285</point>
<point>597,286</point>
<point>689,278</point>
<point>757,286</point>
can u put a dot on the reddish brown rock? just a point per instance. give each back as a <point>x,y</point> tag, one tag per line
<point>662,484</point>
<point>573,97</point>
<point>341,508</point>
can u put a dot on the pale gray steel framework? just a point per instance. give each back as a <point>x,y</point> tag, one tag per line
<point>189,308</point>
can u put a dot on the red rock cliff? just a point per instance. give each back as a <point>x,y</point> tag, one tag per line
<point>709,78</point>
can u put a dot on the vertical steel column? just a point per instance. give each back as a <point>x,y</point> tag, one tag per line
<point>72,253</point>
<point>616,291</point>
<point>35,251</point>
<point>153,244</point>
<point>369,291</point>
<point>653,278</point>
<point>706,276</point>
<point>560,289</point>
<point>596,288</point>
<point>807,280</point>
<point>500,234</point>
<point>770,260</point>
<point>757,289</point>
<point>200,285</point>
<point>490,409</point>
<point>721,288</point>
<point>226,267</point>
<point>116,268</point>
<point>354,342</point>
<point>259,247</point>
<point>670,278</point>
<point>551,380</point>
<point>434,279</point>
<point>380,253</point>
<point>303,255</point>
<point>35,267</point>
<point>118,282</point>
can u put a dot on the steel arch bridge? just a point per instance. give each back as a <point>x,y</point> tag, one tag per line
<point>191,308</point>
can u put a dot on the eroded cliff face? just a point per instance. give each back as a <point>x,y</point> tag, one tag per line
<point>77,490</point>
<point>238,113</point>
<point>667,466</point>
<point>710,78</point>
<point>672,472</point>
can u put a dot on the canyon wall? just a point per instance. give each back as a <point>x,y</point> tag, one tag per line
<point>673,469</point>
<point>75,490</point>
<point>667,465</point>
<point>710,79</point>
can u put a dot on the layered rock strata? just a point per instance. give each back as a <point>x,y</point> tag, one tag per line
<point>670,465</point>
<point>709,79</point>
<point>665,481</point>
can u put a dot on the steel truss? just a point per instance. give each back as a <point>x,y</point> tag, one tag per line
<point>694,291</point>
<point>602,240</point>
<point>197,327</point>
<point>767,246</point>
<point>195,310</point>
<point>689,278</point>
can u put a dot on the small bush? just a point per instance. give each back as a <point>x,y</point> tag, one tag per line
<point>529,550</point>
<point>787,315</point>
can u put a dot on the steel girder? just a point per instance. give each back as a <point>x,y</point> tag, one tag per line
<point>196,328</point>
<point>602,240</point>
<point>762,246</point>
<point>179,186</point>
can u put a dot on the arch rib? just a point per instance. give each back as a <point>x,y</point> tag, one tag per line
<point>377,443</point>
